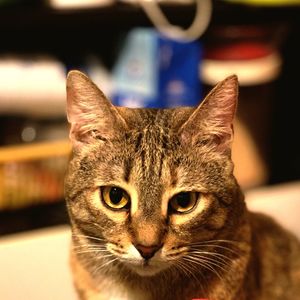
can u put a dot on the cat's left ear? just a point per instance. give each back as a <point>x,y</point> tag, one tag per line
<point>91,115</point>
<point>211,122</point>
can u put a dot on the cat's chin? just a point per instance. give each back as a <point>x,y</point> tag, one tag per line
<point>146,271</point>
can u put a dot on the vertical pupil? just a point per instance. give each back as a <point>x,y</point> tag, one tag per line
<point>115,195</point>
<point>183,199</point>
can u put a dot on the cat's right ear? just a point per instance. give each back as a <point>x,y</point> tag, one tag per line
<point>91,115</point>
<point>211,123</point>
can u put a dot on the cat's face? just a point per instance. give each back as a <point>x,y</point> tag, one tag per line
<point>151,190</point>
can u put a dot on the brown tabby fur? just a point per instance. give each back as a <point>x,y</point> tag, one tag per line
<point>218,251</point>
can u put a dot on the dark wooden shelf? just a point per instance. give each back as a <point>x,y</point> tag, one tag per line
<point>33,217</point>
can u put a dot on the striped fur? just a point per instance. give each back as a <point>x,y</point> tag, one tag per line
<point>215,251</point>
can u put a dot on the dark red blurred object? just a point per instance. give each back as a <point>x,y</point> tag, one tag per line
<point>239,51</point>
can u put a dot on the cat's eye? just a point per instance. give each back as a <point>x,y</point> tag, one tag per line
<point>115,197</point>
<point>183,202</point>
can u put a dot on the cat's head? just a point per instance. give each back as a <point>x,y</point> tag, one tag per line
<point>151,189</point>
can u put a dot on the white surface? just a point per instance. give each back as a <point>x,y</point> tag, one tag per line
<point>34,266</point>
<point>282,202</point>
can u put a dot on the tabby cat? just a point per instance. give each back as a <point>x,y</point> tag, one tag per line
<point>155,210</point>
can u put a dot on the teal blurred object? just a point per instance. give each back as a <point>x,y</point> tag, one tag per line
<point>134,74</point>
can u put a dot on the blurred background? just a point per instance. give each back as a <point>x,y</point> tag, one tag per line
<point>138,59</point>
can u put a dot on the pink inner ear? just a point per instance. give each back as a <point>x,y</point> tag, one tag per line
<point>76,136</point>
<point>92,116</point>
<point>82,118</point>
<point>210,125</point>
<point>223,143</point>
<point>185,138</point>
<point>80,112</point>
<point>72,109</point>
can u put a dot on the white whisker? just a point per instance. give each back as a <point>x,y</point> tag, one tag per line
<point>210,261</point>
<point>90,246</point>
<point>183,266</point>
<point>217,256</point>
<point>91,251</point>
<point>88,237</point>
<point>204,264</point>
<point>105,265</point>
<point>189,272</point>
<point>97,225</point>
<point>217,246</point>
<point>219,241</point>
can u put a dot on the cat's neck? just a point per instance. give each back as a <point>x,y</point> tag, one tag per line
<point>174,285</point>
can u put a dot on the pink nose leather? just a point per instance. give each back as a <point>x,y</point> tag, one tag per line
<point>147,251</point>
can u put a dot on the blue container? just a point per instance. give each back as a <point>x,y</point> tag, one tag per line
<point>154,71</point>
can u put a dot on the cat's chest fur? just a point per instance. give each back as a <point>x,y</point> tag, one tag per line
<point>111,290</point>
<point>117,293</point>
<point>105,289</point>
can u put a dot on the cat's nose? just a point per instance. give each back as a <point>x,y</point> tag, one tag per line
<point>147,251</point>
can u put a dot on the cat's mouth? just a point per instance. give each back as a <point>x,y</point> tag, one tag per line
<point>145,268</point>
